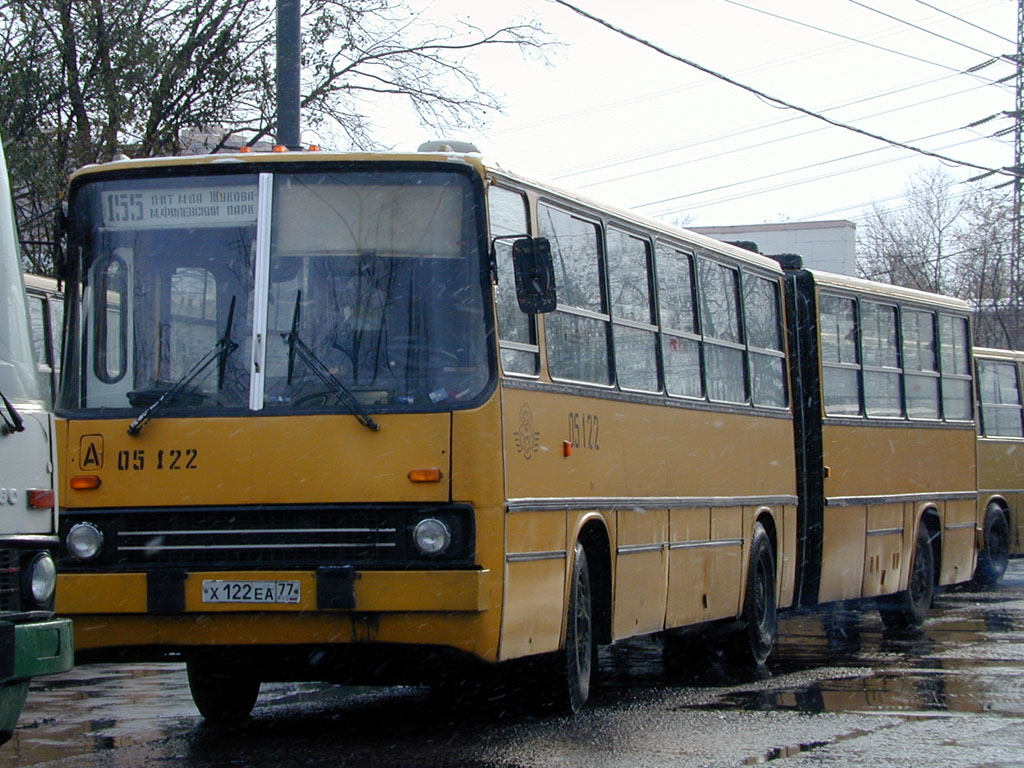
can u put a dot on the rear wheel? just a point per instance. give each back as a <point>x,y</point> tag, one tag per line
<point>760,610</point>
<point>995,553</point>
<point>908,609</point>
<point>223,694</point>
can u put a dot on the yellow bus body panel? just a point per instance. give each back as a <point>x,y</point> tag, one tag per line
<point>1001,476</point>
<point>255,460</point>
<point>675,560</point>
<point>868,541</point>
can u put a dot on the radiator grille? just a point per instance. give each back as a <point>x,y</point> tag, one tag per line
<point>10,580</point>
<point>267,537</point>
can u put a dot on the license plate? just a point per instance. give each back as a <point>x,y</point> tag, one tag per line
<point>216,591</point>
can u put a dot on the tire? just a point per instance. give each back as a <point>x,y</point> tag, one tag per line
<point>572,669</point>
<point>760,614</point>
<point>995,553</point>
<point>909,609</point>
<point>223,695</point>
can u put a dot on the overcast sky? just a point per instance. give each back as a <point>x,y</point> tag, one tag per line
<point>625,124</point>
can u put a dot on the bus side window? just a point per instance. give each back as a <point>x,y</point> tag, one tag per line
<point>680,342</point>
<point>517,331</point>
<point>881,359</point>
<point>920,364</point>
<point>955,364</point>
<point>110,353</point>
<point>999,393</point>
<point>762,316</point>
<point>577,332</point>
<point>839,360</point>
<point>37,317</point>
<point>633,329</point>
<point>723,342</point>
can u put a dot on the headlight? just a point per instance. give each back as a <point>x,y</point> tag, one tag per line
<point>431,536</point>
<point>43,575</point>
<point>84,541</point>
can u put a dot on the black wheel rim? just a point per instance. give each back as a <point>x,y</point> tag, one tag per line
<point>583,625</point>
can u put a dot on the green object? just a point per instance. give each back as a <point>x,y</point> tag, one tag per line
<point>39,648</point>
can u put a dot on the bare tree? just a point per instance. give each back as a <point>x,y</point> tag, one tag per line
<point>947,241</point>
<point>913,244</point>
<point>82,81</point>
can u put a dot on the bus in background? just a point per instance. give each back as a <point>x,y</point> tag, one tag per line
<point>32,642</point>
<point>46,313</point>
<point>328,415</point>
<point>1000,460</point>
<point>885,441</point>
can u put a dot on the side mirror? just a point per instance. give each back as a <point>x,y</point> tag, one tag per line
<point>535,275</point>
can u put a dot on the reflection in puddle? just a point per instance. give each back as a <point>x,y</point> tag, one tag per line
<point>99,707</point>
<point>968,658</point>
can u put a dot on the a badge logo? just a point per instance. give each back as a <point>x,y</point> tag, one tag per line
<point>527,438</point>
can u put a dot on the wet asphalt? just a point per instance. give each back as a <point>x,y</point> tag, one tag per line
<point>838,691</point>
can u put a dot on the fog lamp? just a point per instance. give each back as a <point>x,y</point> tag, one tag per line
<point>431,536</point>
<point>84,541</point>
<point>43,573</point>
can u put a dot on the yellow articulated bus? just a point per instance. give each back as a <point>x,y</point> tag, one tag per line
<point>1000,460</point>
<point>885,441</point>
<point>328,414</point>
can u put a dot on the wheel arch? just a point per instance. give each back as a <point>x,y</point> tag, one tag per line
<point>593,535</point>
<point>932,523</point>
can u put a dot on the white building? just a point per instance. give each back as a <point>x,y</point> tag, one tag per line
<point>827,245</point>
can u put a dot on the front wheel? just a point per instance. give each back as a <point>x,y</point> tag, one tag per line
<point>571,670</point>
<point>908,609</point>
<point>760,610</point>
<point>995,553</point>
<point>223,694</point>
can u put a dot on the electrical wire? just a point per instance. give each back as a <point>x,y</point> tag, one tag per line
<point>968,23</point>
<point>970,71</point>
<point>912,25</point>
<point>733,151</point>
<point>776,100</point>
<point>777,187</point>
<point>569,172</point>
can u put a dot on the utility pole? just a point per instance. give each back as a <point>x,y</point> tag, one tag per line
<point>1016,255</point>
<point>289,72</point>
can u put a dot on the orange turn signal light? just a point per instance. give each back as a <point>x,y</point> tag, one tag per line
<point>567,448</point>
<point>280,148</point>
<point>425,475</point>
<point>245,149</point>
<point>85,482</point>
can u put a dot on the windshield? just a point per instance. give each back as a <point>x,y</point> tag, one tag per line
<point>18,377</point>
<point>375,275</point>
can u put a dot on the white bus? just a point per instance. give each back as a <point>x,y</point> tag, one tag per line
<point>32,642</point>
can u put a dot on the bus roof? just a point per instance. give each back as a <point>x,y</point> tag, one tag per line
<point>1015,355</point>
<point>887,290</point>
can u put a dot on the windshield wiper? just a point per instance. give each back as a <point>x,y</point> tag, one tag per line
<point>220,352</point>
<point>12,419</point>
<point>297,347</point>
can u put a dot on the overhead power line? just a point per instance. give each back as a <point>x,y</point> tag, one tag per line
<point>774,99</point>
<point>911,24</point>
<point>752,128</point>
<point>787,137</point>
<point>965,21</point>
<point>970,71</point>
